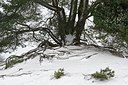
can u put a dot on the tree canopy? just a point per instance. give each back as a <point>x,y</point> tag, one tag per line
<point>23,20</point>
<point>111,18</point>
<point>18,13</point>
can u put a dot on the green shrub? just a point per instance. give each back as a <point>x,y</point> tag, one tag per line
<point>58,74</point>
<point>104,74</point>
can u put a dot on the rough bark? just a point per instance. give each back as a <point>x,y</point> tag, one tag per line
<point>72,17</point>
<point>82,16</point>
<point>61,20</point>
<point>17,32</point>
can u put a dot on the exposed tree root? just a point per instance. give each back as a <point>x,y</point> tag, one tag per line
<point>14,59</point>
<point>110,49</point>
<point>89,56</point>
<point>3,76</point>
<point>39,51</point>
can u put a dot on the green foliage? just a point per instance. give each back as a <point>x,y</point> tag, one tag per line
<point>58,74</point>
<point>16,12</point>
<point>104,74</point>
<point>111,18</point>
<point>12,60</point>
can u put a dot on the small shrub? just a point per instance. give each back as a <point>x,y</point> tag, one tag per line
<point>104,74</point>
<point>58,74</point>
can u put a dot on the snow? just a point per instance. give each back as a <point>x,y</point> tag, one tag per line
<point>69,39</point>
<point>19,50</point>
<point>75,61</point>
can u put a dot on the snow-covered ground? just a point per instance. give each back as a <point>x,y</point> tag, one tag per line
<point>75,60</point>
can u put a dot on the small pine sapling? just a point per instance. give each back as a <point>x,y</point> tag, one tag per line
<point>58,74</point>
<point>104,74</point>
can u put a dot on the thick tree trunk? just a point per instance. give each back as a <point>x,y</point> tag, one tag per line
<point>79,28</point>
<point>62,25</point>
<point>72,17</point>
<point>82,16</point>
<point>69,26</point>
<point>61,20</point>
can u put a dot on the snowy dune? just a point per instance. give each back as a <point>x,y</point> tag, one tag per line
<point>76,61</point>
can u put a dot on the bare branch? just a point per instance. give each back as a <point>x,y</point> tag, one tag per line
<point>17,32</point>
<point>83,9</point>
<point>92,8</point>
<point>24,25</point>
<point>55,3</point>
<point>2,76</point>
<point>43,3</point>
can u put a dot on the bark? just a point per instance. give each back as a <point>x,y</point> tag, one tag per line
<point>43,3</point>
<point>70,26</point>
<point>62,25</point>
<point>82,16</point>
<point>72,17</point>
<point>61,20</point>
<point>17,32</point>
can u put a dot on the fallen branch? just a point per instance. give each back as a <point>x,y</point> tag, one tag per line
<point>110,49</point>
<point>89,56</point>
<point>3,76</point>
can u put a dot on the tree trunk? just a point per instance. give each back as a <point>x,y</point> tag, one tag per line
<point>82,16</point>
<point>79,28</point>
<point>62,25</point>
<point>72,17</point>
<point>61,20</point>
<point>69,26</point>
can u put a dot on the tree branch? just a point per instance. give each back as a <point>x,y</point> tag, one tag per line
<point>38,29</point>
<point>92,8</point>
<point>24,25</point>
<point>73,11</point>
<point>83,9</point>
<point>43,3</point>
<point>2,76</point>
<point>55,3</point>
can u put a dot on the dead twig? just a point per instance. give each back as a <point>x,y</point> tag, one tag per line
<point>3,76</point>
<point>89,56</point>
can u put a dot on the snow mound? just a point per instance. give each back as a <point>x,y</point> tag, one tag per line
<point>76,61</point>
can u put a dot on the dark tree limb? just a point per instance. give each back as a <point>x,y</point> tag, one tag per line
<point>82,16</point>
<point>55,3</point>
<point>89,56</point>
<point>60,14</point>
<point>72,16</point>
<point>3,76</point>
<point>73,11</point>
<point>17,32</point>
<point>43,3</point>
<point>91,9</point>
